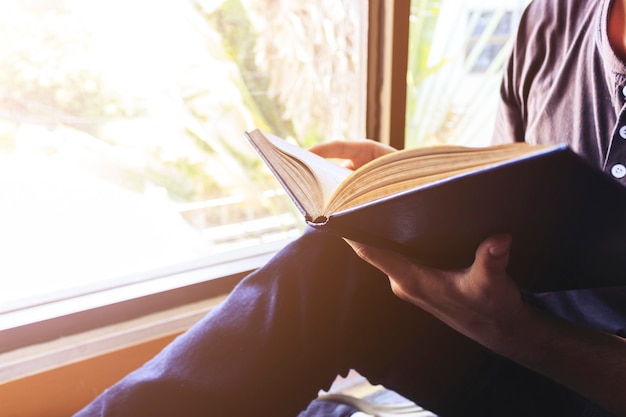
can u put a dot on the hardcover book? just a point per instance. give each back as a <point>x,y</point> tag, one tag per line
<point>436,204</point>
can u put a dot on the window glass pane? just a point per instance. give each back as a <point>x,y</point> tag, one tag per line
<point>457,52</point>
<point>121,121</point>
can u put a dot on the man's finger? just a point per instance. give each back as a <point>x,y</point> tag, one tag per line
<point>493,253</point>
<point>389,262</point>
<point>337,149</point>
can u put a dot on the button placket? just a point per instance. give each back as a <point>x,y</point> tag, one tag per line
<point>616,158</point>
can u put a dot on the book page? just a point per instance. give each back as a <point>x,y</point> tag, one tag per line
<point>410,168</point>
<point>328,174</point>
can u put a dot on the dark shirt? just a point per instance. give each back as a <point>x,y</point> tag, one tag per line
<point>564,83</point>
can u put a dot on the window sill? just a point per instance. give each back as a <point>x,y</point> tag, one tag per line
<point>70,372</point>
<point>71,350</point>
<point>21,328</point>
<point>42,357</point>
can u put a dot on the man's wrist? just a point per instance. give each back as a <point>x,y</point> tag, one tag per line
<point>523,337</point>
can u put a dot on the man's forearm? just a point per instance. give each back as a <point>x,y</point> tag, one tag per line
<point>590,362</point>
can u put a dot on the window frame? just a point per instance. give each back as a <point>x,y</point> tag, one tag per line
<point>388,45</point>
<point>387,48</point>
<point>192,282</point>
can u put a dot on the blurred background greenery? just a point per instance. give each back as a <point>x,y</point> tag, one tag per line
<point>121,122</point>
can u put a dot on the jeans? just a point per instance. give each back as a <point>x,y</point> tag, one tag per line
<point>315,311</point>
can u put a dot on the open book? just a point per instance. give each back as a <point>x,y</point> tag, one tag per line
<point>437,204</point>
<point>321,188</point>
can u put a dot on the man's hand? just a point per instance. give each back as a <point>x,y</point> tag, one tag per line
<point>355,152</point>
<point>485,304</point>
<point>480,302</point>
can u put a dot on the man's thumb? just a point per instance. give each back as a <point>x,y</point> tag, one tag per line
<point>493,252</point>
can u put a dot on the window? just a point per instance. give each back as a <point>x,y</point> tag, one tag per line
<point>490,32</point>
<point>123,171</point>
<point>457,50</point>
<point>122,158</point>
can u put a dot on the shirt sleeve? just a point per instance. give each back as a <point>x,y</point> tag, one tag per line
<point>510,122</point>
<point>509,125</point>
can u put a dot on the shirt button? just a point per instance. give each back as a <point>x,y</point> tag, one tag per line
<point>618,171</point>
<point>622,132</point>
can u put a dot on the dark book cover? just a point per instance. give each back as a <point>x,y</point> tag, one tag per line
<point>567,220</point>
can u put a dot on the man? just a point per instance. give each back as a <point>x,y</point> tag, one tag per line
<point>459,343</point>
